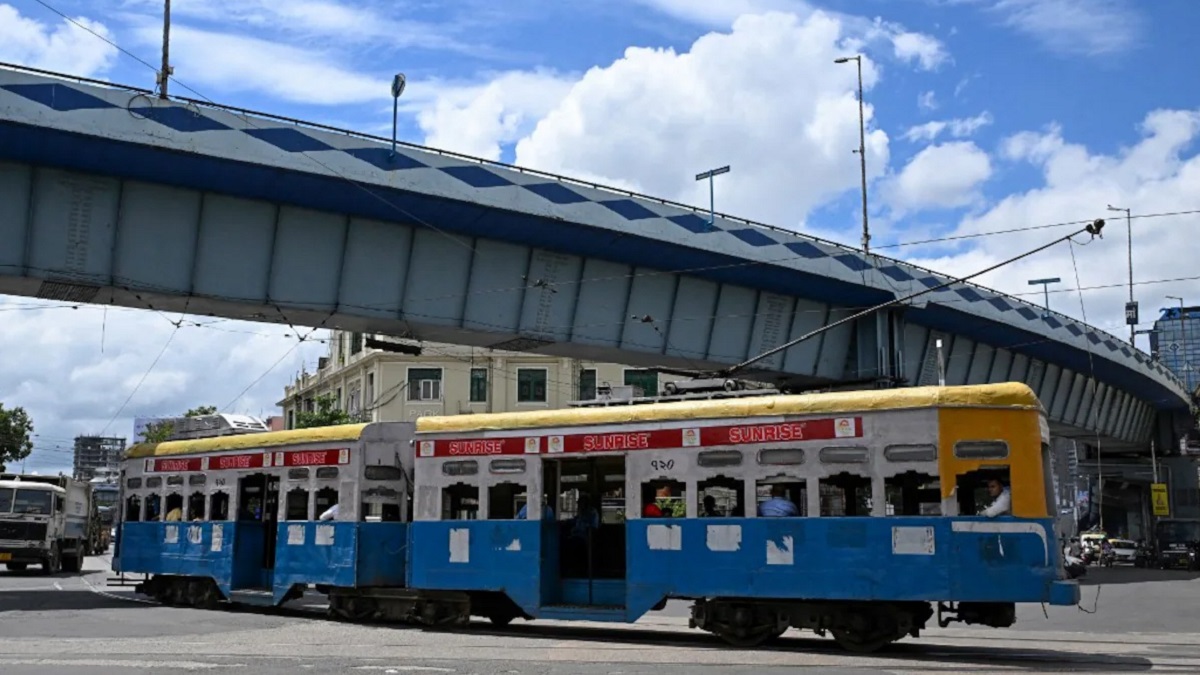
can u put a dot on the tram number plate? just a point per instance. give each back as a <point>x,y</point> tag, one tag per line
<point>662,464</point>
<point>5,556</point>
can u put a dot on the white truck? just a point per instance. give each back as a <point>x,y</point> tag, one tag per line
<point>50,521</point>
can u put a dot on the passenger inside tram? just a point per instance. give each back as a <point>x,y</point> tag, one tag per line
<point>778,506</point>
<point>665,504</point>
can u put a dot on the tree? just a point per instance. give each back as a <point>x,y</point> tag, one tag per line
<point>16,431</point>
<point>326,414</point>
<point>158,432</point>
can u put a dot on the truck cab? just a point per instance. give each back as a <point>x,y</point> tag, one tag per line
<point>42,523</point>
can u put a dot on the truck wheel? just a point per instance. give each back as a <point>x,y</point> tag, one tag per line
<point>72,563</point>
<point>16,567</point>
<point>52,564</point>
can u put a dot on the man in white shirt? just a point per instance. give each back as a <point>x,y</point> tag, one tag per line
<point>329,514</point>
<point>1001,499</point>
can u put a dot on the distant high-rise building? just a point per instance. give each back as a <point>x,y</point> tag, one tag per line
<point>1176,342</point>
<point>97,452</point>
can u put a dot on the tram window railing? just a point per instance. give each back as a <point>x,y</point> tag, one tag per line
<point>327,472</point>
<point>507,466</point>
<point>910,453</point>
<point>133,483</point>
<point>296,507</point>
<point>844,455</point>
<point>981,450</point>
<point>718,458</point>
<point>174,480</point>
<point>381,472</point>
<point>197,479</point>
<point>465,467</point>
<point>298,473</point>
<point>154,482</point>
<point>781,456</point>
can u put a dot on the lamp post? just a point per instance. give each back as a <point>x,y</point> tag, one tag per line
<point>862,149</point>
<point>1045,289</point>
<point>164,75</point>
<point>398,84</point>
<point>1131,310</point>
<point>712,195</point>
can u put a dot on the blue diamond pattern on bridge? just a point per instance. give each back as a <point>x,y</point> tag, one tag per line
<point>186,120</point>
<point>1093,338</point>
<point>381,158</point>
<point>1074,330</point>
<point>477,176</point>
<point>1029,314</point>
<point>931,282</point>
<point>896,273</point>
<point>288,139</point>
<point>753,237</point>
<point>1125,351</point>
<point>805,250</point>
<point>554,192</point>
<point>58,96</point>
<point>1112,346</point>
<point>1053,322</point>
<point>969,294</point>
<point>694,223</point>
<point>629,209</point>
<point>853,262</point>
<point>1000,304</point>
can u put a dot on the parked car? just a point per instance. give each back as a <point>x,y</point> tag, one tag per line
<point>1124,551</point>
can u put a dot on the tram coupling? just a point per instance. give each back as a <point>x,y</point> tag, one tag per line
<point>992,614</point>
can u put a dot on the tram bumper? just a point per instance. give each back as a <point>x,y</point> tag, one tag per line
<point>1064,593</point>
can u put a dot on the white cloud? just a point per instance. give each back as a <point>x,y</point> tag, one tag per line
<point>764,98</point>
<point>722,13</point>
<point>478,119</point>
<point>1075,27</point>
<point>63,47</point>
<point>927,100</point>
<point>54,368</point>
<point>923,49</point>
<point>1158,174</point>
<point>940,176</point>
<point>236,64</point>
<point>958,127</point>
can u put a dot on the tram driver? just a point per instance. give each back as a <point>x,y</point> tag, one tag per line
<point>1001,498</point>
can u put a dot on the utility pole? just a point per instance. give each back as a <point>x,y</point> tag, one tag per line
<point>862,149</point>
<point>164,75</point>
<point>1131,308</point>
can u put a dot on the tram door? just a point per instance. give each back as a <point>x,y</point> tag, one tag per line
<point>257,530</point>
<point>583,549</point>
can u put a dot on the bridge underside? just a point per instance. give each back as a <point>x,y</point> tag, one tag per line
<point>83,237</point>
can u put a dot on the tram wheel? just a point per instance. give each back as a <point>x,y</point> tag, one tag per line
<point>500,619</point>
<point>860,643</point>
<point>750,639</point>
<point>357,609</point>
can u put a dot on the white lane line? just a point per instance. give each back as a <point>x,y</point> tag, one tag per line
<point>406,669</point>
<point>58,585</point>
<point>121,663</point>
<point>114,596</point>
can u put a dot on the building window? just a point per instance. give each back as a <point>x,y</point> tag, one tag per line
<point>587,384</point>
<point>424,384</point>
<point>531,385</point>
<point>646,380</point>
<point>369,395</point>
<point>356,343</point>
<point>479,385</point>
<point>291,419</point>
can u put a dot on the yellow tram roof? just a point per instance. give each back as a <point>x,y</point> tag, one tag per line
<point>268,439</point>
<point>1003,395</point>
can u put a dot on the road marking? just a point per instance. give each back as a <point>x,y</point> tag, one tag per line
<point>114,596</point>
<point>406,669</point>
<point>58,585</point>
<point>121,663</point>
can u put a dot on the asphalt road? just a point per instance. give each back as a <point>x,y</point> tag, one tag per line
<point>76,624</point>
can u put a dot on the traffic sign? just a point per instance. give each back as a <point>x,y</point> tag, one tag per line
<point>1158,498</point>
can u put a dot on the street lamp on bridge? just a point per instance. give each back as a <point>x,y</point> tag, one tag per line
<point>1131,309</point>
<point>862,148</point>
<point>1045,289</point>
<point>712,198</point>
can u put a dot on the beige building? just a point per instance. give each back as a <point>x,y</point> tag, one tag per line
<point>374,385</point>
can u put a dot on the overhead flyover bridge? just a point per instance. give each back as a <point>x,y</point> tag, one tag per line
<point>111,194</point>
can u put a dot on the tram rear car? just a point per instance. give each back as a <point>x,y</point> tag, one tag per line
<point>237,518</point>
<point>605,513</point>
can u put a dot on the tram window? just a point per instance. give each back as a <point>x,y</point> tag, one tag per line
<point>133,509</point>
<point>297,504</point>
<point>781,456</point>
<point>327,472</point>
<point>325,499</point>
<point>503,500</point>
<point>154,482</point>
<point>845,494</point>
<point>218,506</point>
<point>466,467</point>
<point>133,483</point>
<point>153,507</point>
<point>781,487</point>
<point>174,480</point>
<point>664,499</point>
<point>981,450</point>
<point>844,455</point>
<point>375,512</point>
<point>972,489</point>
<point>460,502</point>
<point>720,497</point>
<point>174,508</point>
<point>381,472</point>
<point>195,510</point>
<point>197,479</point>
<point>910,453</point>
<point>298,473</point>
<point>913,494</point>
<point>507,466</point>
<point>715,458</point>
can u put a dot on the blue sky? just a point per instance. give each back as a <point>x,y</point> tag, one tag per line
<point>983,115</point>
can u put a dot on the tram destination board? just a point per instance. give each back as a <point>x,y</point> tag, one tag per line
<point>249,460</point>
